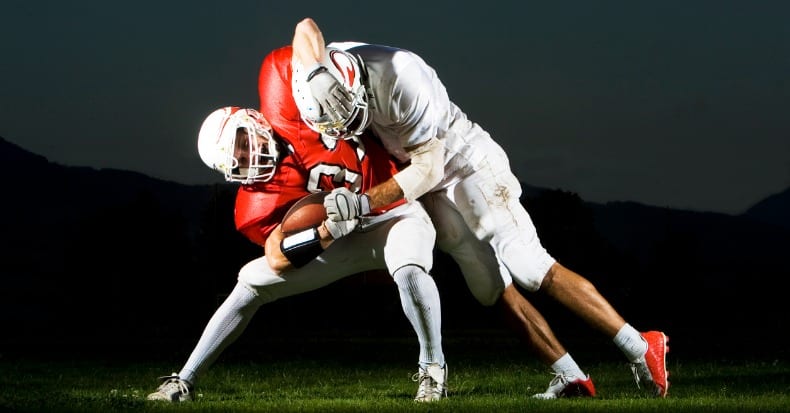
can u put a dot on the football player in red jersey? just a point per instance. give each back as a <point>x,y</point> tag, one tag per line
<point>277,169</point>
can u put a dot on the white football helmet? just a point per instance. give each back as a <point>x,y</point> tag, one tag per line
<point>346,69</point>
<point>252,161</point>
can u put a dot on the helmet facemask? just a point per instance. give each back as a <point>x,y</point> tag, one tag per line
<point>347,128</point>
<point>348,71</point>
<point>239,143</point>
<point>254,154</point>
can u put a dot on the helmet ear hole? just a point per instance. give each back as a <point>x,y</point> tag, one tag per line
<point>348,71</point>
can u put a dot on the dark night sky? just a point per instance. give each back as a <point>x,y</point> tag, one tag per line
<point>684,104</point>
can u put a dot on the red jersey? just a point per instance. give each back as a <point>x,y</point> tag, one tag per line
<point>312,163</point>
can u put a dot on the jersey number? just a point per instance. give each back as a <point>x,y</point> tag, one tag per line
<point>325,177</point>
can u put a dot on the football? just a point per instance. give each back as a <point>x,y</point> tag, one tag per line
<point>305,213</point>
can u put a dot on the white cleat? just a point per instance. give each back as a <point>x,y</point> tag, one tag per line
<point>172,389</point>
<point>432,383</point>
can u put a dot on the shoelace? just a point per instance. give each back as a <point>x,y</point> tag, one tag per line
<point>173,381</point>
<point>559,378</point>
<point>425,381</point>
<point>420,376</point>
<point>645,376</point>
<point>556,386</point>
<point>558,383</point>
<point>634,369</point>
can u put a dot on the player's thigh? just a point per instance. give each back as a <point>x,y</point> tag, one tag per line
<point>483,273</point>
<point>409,240</point>
<point>485,277</point>
<point>333,264</point>
<point>489,202</point>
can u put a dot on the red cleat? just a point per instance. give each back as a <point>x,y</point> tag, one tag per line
<point>652,372</point>
<point>579,388</point>
<point>561,387</point>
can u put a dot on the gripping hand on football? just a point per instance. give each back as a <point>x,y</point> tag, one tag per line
<point>342,204</point>
<point>330,94</point>
<point>339,229</point>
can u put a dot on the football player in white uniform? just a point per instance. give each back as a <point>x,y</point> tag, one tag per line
<point>463,178</point>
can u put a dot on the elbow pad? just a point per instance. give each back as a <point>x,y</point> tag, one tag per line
<point>425,171</point>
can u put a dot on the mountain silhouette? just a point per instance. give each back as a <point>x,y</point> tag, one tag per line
<point>773,210</point>
<point>96,257</point>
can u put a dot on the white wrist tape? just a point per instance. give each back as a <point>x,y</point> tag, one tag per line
<point>425,171</point>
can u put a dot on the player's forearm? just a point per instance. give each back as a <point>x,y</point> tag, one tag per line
<point>278,262</point>
<point>384,194</point>
<point>308,43</point>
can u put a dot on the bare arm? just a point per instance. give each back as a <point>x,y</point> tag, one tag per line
<point>308,43</point>
<point>384,193</point>
<point>274,255</point>
<point>423,173</point>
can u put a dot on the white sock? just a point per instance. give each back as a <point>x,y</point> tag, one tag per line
<point>419,298</point>
<point>224,327</point>
<point>631,343</point>
<point>567,366</point>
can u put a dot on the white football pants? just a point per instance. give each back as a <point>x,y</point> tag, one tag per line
<point>401,241</point>
<point>407,238</point>
<point>481,215</point>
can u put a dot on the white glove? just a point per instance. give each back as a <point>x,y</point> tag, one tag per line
<point>342,204</point>
<point>339,229</point>
<point>333,97</point>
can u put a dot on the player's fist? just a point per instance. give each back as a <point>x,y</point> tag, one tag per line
<point>339,229</point>
<point>342,204</point>
<point>334,99</point>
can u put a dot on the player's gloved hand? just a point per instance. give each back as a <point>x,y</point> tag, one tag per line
<point>339,229</point>
<point>342,204</point>
<point>334,99</point>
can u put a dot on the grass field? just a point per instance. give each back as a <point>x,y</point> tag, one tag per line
<point>368,375</point>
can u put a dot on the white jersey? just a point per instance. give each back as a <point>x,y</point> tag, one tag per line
<point>478,200</point>
<point>409,105</point>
